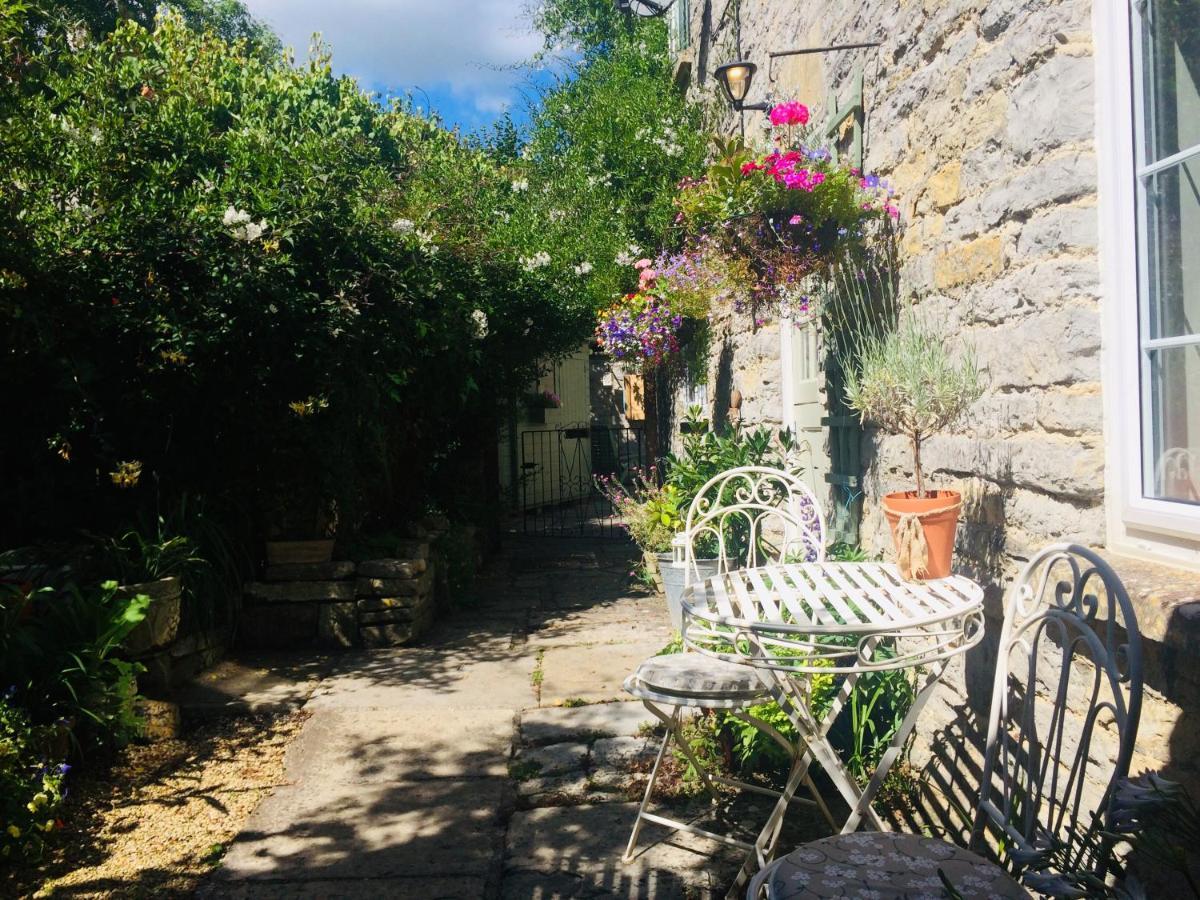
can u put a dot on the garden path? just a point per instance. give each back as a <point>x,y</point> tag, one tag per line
<point>485,763</point>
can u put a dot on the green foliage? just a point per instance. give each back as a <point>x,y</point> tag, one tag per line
<point>707,453</point>
<point>225,277</point>
<point>592,186</point>
<point>31,784</point>
<point>57,649</point>
<point>861,733</point>
<point>652,513</point>
<point>137,557</point>
<point>843,552</point>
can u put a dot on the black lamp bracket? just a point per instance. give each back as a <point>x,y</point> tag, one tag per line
<point>804,51</point>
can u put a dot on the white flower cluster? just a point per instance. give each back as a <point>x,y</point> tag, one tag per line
<point>423,238</point>
<point>480,320</point>
<point>583,268</point>
<point>537,261</point>
<point>519,185</point>
<point>627,256</point>
<point>78,37</point>
<point>667,142</point>
<point>604,180</point>
<point>240,225</point>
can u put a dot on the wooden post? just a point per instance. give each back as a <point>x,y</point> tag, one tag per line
<point>650,428</point>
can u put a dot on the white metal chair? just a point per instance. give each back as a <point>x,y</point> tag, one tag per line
<point>747,516</point>
<point>1069,670</point>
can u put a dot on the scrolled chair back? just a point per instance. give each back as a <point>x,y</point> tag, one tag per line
<point>751,516</point>
<point>1066,701</point>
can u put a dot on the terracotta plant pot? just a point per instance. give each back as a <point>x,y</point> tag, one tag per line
<point>282,553</point>
<point>938,518</point>
<point>161,624</point>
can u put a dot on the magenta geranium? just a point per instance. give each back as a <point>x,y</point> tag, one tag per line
<point>792,113</point>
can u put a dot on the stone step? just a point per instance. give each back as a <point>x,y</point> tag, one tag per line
<point>391,568</point>
<point>298,591</point>
<point>329,571</point>
<point>394,587</point>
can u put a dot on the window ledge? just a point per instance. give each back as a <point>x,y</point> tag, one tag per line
<point>1166,600</point>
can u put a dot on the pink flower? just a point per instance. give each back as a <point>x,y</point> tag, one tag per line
<point>789,114</point>
<point>641,264</point>
<point>749,167</point>
<point>892,211</point>
<point>646,278</point>
<point>795,220</point>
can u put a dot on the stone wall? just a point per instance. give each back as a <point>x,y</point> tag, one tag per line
<point>377,602</point>
<point>981,115</point>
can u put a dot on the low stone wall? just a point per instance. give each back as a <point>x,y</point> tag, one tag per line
<point>373,603</point>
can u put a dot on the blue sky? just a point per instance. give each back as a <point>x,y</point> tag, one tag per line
<point>455,52</point>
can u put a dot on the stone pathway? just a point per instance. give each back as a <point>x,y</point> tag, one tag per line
<point>485,763</point>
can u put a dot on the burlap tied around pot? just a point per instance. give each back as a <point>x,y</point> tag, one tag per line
<point>912,546</point>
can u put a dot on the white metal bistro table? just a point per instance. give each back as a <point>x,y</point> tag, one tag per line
<point>793,621</point>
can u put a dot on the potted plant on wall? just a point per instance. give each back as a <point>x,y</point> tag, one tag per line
<point>906,381</point>
<point>155,565</point>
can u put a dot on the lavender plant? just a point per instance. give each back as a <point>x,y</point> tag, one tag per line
<point>907,381</point>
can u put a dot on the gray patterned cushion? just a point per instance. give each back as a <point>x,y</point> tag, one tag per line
<point>696,675</point>
<point>883,865</point>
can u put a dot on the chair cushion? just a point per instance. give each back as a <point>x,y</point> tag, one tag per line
<point>696,675</point>
<point>884,864</point>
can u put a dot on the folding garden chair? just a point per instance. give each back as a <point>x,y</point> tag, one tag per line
<point>1069,671</point>
<point>744,517</point>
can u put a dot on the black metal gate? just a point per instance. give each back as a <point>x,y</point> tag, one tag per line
<point>559,468</point>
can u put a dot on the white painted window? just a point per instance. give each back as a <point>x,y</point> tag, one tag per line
<point>1166,57</point>
<point>679,26</point>
<point>1148,138</point>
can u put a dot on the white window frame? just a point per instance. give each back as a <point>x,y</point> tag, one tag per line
<point>1135,522</point>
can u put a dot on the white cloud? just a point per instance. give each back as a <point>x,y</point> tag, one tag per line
<point>453,46</point>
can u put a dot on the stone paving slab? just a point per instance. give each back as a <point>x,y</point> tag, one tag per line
<point>429,678</point>
<point>553,759</point>
<point>318,830</point>
<point>588,842</point>
<point>555,724</point>
<point>255,683</point>
<point>444,888</point>
<point>593,673</point>
<point>380,745</point>
<point>615,884</point>
<point>612,622</point>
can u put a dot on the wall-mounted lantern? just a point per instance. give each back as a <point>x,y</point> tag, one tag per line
<point>735,79</point>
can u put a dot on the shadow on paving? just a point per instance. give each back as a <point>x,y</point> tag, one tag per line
<point>323,831</point>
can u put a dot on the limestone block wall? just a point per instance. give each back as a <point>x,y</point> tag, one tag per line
<point>981,114</point>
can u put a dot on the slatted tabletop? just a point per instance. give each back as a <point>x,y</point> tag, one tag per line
<point>803,616</point>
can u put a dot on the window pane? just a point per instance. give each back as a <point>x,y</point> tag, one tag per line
<point>1172,424</point>
<point>1171,76</point>
<point>1173,250</point>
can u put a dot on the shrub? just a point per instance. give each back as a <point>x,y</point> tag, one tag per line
<point>58,653</point>
<point>31,784</point>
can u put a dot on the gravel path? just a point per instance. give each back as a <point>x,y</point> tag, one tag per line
<point>159,819</point>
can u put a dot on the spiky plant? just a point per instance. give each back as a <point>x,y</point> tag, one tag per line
<point>906,381</point>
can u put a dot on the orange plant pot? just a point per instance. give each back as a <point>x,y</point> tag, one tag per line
<point>938,515</point>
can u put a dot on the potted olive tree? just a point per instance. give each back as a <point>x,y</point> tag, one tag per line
<point>906,381</point>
